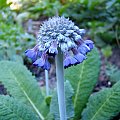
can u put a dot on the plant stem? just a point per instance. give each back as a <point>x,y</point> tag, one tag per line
<point>60,84</point>
<point>47,82</point>
<point>116,35</point>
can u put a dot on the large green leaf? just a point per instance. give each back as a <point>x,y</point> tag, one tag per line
<point>83,78</point>
<point>22,85</point>
<point>104,104</point>
<point>54,109</point>
<point>12,109</point>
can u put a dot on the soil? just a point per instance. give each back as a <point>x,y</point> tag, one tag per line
<point>115,57</point>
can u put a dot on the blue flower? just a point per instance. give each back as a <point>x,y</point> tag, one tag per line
<point>60,32</point>
<point>42,62</point>
<point>69,61</point>
<point>46,65</point>
<point>80,57</point>
<point>86,47</point>
<point>83,49</point>
<point>32,53</point>
<point>89,43</point>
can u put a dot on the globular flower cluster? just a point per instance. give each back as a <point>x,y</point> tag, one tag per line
<point>60,32</point>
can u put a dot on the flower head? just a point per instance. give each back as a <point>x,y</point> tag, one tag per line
<point>60,32</point>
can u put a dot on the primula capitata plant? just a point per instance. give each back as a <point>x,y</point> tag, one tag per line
<point>61,39</point>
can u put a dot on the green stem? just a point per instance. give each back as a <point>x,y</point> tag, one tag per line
<point>60,84</point>
<point>47,82</point>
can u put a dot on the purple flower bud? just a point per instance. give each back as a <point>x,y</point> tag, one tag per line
<point>39,62</point>
<point>42,62</point>
<point>69,61</point>
<point>46,65</point>
<point>31,53</point>
<point>79,57</point>
<point>89,43</point>
<point>83,49</point>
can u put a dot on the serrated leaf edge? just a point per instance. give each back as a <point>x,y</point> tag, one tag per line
<point>35,108</point>
<point>102,106</point>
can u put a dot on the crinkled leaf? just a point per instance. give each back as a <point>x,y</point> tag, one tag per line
<point>83,78</point>
<point>12,109</point>
<point>104,104</point>
<point>21,84</point>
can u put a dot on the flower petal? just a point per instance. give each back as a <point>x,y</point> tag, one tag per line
<point>69,61</point>
<point>39,62</point>
<point>31,53</point>
<point>83,49</point>
<point>89,43</point>
<point>80,57</point>
<point>46,65</point>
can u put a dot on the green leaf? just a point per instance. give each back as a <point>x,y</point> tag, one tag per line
<point>22,85</point>
<point>3,3</point>
<point>99,42</point>
<point>107,51</point>
<point>83,78</point>
<point>12,109</point>
<point>93,3</point>
<point>54,109</point>
<point>113,73</point>
<point>16,58</point>
<point>104,104</point>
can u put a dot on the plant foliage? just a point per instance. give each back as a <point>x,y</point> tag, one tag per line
<point>83,78</point>
<point>13,38</point>
<point>101,16</point>
<point>12,109</point>
<point>113,73</point>
<point>104,104</point>
<point>21,84</point>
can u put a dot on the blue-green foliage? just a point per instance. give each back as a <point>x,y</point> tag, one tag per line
<point>103,105</point>
<point>21,85</point>
<point>113,73</point>
<point>83,78</point>
<point>13,109</point>
<point>23,89</point>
